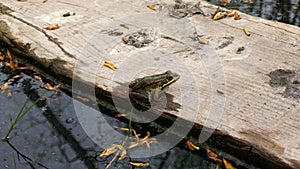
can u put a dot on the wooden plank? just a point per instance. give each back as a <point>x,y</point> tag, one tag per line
<point>223,85</point>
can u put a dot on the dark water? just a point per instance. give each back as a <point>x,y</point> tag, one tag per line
<point>287,11</point>
<point>50,135</point>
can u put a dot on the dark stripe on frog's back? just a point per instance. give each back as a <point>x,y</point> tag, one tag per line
<point>139,80</point>
<point>145,84</point>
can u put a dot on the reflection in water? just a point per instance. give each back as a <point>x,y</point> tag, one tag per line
<point>286,11</point>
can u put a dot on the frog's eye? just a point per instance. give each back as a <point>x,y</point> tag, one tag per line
<point>170,78</point>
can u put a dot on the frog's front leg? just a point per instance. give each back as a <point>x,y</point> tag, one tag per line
<point>156,95</point>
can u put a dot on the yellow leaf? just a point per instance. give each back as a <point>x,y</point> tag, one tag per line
<point>139,164</point>
<point>135,135</point>
<point>17,77</point>
<point>2,56</point>
<point>246,32</point>
<point>52,27</point>
<point>11,62</point>
<point>211,153</point>
<point>237,16</point>
<point>38,78</point>
<point>5,86</point>
<point>110,65</point>
<point>109,151</point>
<point>83,99</point>
<point>122,128</point>
<point>121,115</point>
<point>9,94</point>
<point>203,41</point>
<point>123,155</point>
<point>48,86</point>
<point>219,15</point>
<point>16,64</point>
<point>232,13</point>
<point>192,146</point>
<point>23,68</point>
<point>146,137</point>
<point>152,7</point>
<point>227,164</point>
<point>124,39</point>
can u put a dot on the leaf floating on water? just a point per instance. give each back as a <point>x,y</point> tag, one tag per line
<point>84,99</point>
<point>120,115</point>
<point>213,156</point>
<point>5,86</point>
<point>110,65</point>
<point>23,68</point>
<point>48,86</point>
<point>192,146</point>
<point>146,137</point>
<point>210,153</point>
<point>135,135</point>
<point>17,76</point>
<point>53,27</point>
<point>246,32</point>
<point>139,164</point>
<point>227,164</point>
<point>122,128</point>
<point>2,56</point>
<point>16,64</point>
<point>123,155</point>
<point>113,149</point>
<point>152,7</point>
<point>9,94</point>
<point>11,61</point>
<point>38,78</point>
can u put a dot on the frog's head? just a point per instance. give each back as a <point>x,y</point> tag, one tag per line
<point>167,79</point>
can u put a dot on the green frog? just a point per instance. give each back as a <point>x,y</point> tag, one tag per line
<point>145,89</point>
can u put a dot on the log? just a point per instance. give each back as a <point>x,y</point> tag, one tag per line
<point>243,88</point>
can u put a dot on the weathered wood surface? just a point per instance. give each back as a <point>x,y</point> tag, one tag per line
<point>214,77</point>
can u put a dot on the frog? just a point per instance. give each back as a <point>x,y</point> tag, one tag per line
<point>146,89</point>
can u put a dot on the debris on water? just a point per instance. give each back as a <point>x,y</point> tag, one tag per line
<point>69,120</point>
